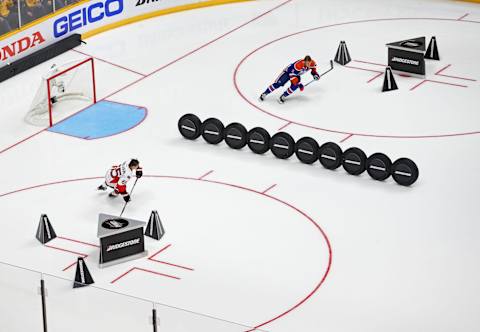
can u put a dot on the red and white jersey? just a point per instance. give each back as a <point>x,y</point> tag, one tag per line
<point>118,176</point>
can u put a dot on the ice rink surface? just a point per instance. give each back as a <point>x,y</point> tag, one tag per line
<point>268,243</point>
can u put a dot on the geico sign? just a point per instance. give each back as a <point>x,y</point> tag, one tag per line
<point>21,45</point>
<point>86,15</point>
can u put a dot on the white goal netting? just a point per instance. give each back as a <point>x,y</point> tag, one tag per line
<point>64,90</point>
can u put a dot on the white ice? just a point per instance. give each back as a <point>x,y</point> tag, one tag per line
<point>401,258</point>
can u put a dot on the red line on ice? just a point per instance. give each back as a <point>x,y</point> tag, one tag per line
<point>439,82</point>
<point>171,264</point>
<point>457,77</point>
<point>144,270</point>
<point>370,63</point>
<point>122,275</point>
<point>77,241</point>
<point>161,250</point>
<point>446,83</point>
<point>69,266</point>
<point>375,77</point>
<point>110,63</point>
<point>205,175</point>
<point>269,188</point>
<point>438,72</point>
<point>284,126</point>
<point>23,140</point>
<point>66,250</point>
<point>417,85</point>
<point>345,138</point>
<point>167,263</point>
<point>371,70</point>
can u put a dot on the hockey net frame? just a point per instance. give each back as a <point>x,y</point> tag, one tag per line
<point>69,95</point>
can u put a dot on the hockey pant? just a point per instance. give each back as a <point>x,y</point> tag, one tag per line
<point>283,79</point>
<point>111,180</point>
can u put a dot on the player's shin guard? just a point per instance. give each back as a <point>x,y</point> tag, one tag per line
<point>271,88</point>
<point>288,92</point>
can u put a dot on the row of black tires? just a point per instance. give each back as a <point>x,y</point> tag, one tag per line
<point>379,166</point>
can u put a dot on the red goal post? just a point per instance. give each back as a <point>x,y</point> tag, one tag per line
<point>72,81</point>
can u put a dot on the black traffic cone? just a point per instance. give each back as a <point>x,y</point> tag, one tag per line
<point>154,228</point>
<point>82,275</point>
<point>45,232</point>
<point>343,56</point>
<point>432,50</point>
<point>389,83</point>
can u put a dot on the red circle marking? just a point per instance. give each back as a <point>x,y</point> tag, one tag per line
<point>310,219</point>
<point>333,130</point>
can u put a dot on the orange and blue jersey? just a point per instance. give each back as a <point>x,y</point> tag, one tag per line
<point>299,68</point>
<point>292,73</point>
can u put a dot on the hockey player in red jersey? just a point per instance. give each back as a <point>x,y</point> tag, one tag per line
<point>118,176</point>
<point>292,73</point>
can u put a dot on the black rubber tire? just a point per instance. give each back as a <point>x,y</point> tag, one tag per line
<point>306,150</point>
<point>351,156</point>
<point>405,165</point>
<point>278,143</point>
<point>255,135</point>
<point>235,135</point>
<point>189,126</point>
<point>208,127</point>
<point>374,164</point>
<point>330,155</point>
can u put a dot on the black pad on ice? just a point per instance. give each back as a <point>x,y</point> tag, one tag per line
<point>330,155</point>
<point>189,126</point>
<point>45,232</point>
<point>379,166</point>
<point>306,150</point>
<point>404,172</point>
<point>212,131</point>
<point>258,140</point>
<point>82,274</point>
<point>354,161</point>
<point>235,135</point>
<point>282,145</point>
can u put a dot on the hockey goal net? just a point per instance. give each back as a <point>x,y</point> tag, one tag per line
<point>64,90</point>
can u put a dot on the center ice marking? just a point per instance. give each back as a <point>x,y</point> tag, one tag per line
<point>103,119</point>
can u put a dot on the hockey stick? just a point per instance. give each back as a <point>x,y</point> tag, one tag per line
<point>131,192</point>
<point>331,68</point>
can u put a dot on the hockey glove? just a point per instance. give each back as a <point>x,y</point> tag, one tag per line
<point>126,198</point>
<point>316,77</point>
<point>139,173</point>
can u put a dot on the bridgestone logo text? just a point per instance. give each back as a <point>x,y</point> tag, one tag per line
<point>406,61</point>
<point>123,244</point>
